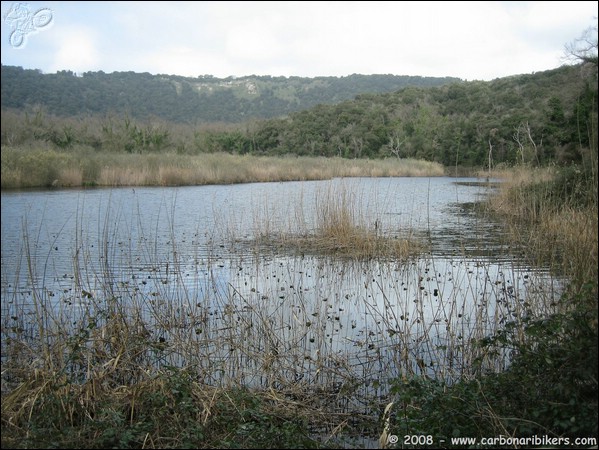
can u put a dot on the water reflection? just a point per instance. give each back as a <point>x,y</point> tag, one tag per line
<point>181,266</point>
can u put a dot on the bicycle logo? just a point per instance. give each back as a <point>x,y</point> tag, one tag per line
<point>24,22</point>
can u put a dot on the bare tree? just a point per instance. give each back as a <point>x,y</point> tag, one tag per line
<point>396,143</point>
<point>535,147</point>
<point>492,134</point>
<point>519,140</point>
<point>358,144</point>
<point>522,133</point>
<point>583,49</point>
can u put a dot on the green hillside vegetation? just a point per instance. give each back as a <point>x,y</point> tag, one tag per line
<point>188,100</point>
<point>533,119</point>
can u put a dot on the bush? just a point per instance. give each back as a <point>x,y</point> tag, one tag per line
<point>549,389</point>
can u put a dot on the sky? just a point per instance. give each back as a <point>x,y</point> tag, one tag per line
<point>468,40</point>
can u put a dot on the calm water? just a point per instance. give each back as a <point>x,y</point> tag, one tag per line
<point>58,224</point>
<point>182,258</point>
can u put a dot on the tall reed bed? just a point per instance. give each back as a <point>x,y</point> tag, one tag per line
<point>550,386</point>
<point>555,213</point>
<point>251,348</point>
<point>341,220</point>
<point>43,166</point>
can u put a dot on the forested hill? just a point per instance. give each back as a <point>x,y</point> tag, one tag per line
<point>533,118</point>
<point>188,100</point>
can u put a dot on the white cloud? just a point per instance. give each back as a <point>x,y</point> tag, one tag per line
<point>253,43</point>
<point>76,49</point>
<point>472,40</point>
<point>186,61</point>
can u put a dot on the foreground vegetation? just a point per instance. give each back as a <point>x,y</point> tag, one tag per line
<point>550,388</point>
<point>105,380</point>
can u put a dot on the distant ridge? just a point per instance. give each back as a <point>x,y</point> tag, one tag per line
<point>190,100</point>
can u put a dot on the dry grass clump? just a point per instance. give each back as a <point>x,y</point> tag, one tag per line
<point>341,231</point>
<point>106,385</point>
<point>163,409</point>
<point>554,215</point>
<point>341,227</point>
<point>354,242</point>
<point>514,199</point>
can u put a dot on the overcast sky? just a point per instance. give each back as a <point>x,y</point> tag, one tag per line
<point>469,40</point>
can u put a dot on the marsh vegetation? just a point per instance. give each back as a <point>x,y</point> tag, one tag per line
<point>294,322</point>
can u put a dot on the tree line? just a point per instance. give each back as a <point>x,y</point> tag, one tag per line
<point>143,96</point>
<point>533,119</point>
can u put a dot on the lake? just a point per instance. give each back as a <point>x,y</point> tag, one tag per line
<point>183,267</point>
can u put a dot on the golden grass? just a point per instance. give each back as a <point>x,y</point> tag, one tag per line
<point>43,167</point>
<point>342,227</point>
<point>513,200</point>
<point>555,233</point>
<point>566,240</point>
<point>353,242</point>
<point>168,407</point>
<point>519,175</point>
